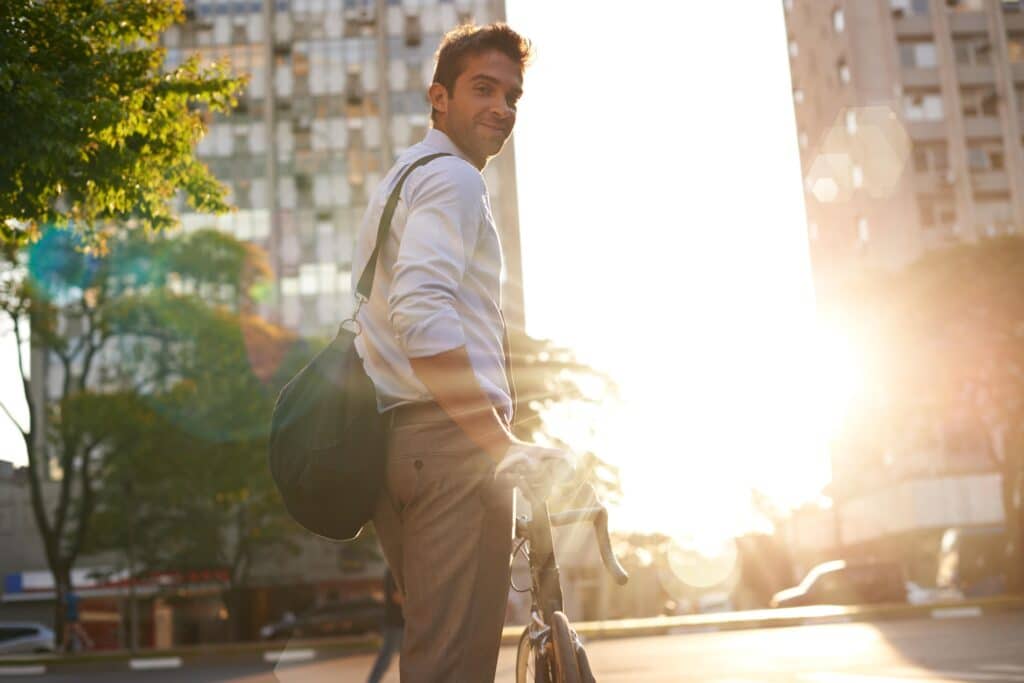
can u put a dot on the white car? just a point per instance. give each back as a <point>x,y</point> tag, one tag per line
<point>21,637</point>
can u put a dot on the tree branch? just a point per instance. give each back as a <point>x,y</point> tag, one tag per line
<point>7,412</point>
<point>25,385</point>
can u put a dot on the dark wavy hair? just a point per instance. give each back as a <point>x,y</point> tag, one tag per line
<point>470,39</point>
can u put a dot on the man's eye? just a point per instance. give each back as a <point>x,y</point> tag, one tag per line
<point>483,89</point>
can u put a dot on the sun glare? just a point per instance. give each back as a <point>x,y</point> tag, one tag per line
<point>664,237</point>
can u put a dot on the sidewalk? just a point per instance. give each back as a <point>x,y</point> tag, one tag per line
<point>308,650</point>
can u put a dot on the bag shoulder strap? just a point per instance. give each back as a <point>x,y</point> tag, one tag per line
<point>365,285</point>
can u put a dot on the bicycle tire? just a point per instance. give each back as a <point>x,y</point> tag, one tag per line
<point>586,673</point>
<point>527,669</point>
<point>567,668</point>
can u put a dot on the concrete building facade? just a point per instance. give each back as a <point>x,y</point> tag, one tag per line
<point>909,123</point>
<point>908,116</point>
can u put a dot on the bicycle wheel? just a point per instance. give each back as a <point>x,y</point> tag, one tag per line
<point>527,670</point>
<point>586,673</point>
<point>567,669</point>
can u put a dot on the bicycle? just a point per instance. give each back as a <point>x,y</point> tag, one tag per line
<point>549,650</point>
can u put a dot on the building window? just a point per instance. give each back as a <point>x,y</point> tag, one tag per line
<point>918,55</point>
<point>979,102</point>
<point>843,69</point>
<point>794,49</point>
<point>812,231</point>
<point>965,5</point>
<point>972,50</point>
<point>902,8</point>
<point>858,176</point>
<point>936,212</point>
<point>851,122</point>
<point>838,21</point>
<point>922,105</point>
<point>1015,47</point>
<point>863,229</point>
<point>787,5</point>
<point>986,155</point>
<point>803,139</point>
<point>798,96</point>
<point>930,157</point>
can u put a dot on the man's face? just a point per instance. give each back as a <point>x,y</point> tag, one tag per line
<point>479,115</point>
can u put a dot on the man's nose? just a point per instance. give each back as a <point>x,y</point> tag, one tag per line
<point>502,109</point>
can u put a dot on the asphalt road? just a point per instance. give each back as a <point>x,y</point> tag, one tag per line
<point>986,649</point>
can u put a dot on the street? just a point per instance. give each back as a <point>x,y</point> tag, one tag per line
<point>987,648</point>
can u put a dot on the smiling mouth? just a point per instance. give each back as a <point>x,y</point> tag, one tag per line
<point>497,129</point>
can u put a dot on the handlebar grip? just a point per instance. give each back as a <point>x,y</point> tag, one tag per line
<point>604,544</point>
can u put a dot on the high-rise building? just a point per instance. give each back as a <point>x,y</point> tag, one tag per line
<point>909,121</point>
<point>909,124</point>
<point>336,90</point>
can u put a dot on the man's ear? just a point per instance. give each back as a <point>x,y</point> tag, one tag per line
<point>438,96</point>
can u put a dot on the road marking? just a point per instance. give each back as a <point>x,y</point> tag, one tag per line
<point>836,677</point>
<point>36,670</point>
<point>1008,668</point>
<point>905,675</point>
<point>932,675</point>
<point>285,656</point>
<point>680,630</point>
<point>955,612</point>
<point>814,621</point>
<point>146,663</point>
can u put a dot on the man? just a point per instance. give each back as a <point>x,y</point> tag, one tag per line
<point>392,626</point>
<point>434,343</point>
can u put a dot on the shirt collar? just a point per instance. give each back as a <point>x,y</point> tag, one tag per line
<point>435,139</point>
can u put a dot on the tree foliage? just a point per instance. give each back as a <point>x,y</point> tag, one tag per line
<point>547,375</point>
<point>946,367</point>
<point>156,375</point>
<point>93,130</point>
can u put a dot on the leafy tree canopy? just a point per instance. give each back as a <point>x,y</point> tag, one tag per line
<point>93,130</point>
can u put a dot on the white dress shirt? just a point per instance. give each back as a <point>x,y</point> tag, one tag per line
<point>438,280</point>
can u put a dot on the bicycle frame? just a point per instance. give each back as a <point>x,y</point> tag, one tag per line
<point>545,581</point>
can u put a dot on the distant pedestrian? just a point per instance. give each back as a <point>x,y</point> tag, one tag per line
<point>391,629</point>
<point>73,629</point>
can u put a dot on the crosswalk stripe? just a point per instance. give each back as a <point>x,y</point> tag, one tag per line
<point>1008,668</point>
<point>905,675</point>
<point>929,674</point>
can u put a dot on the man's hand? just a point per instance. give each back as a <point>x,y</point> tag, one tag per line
<point>538,467</point>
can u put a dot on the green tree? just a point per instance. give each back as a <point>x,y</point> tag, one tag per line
<point>195,468</point>
<point>546,375</point>
<point>947,366</point>
<point>107,334</point>
<point>93,131</point>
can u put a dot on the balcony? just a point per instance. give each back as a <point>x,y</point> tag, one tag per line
<point>916,77</point>
<point>990,182</point>
<point>976,75</point>
<point>982,127</point>
<point>916,25</point>
<point>1014,21</point>
<point>925,131</point>
<point>968,22</point>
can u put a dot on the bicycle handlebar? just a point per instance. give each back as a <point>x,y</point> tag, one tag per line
<point>599,516</point>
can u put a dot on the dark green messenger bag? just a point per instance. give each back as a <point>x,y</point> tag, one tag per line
<point>327,440</point>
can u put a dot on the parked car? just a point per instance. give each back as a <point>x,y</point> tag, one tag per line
<point>840,582</point>
<point>20,637</point>
<point>971,561</point>
<point>330,619</point>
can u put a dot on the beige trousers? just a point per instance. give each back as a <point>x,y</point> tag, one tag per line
<point>446,530</point>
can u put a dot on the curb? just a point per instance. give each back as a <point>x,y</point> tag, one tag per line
<point>297,651</point>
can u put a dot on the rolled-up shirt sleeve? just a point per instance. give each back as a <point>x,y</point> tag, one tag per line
<point>445,213</point>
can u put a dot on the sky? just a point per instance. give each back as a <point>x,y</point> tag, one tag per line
<point>664,238</point>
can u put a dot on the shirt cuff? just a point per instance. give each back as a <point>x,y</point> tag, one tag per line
<point>439,332</point>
